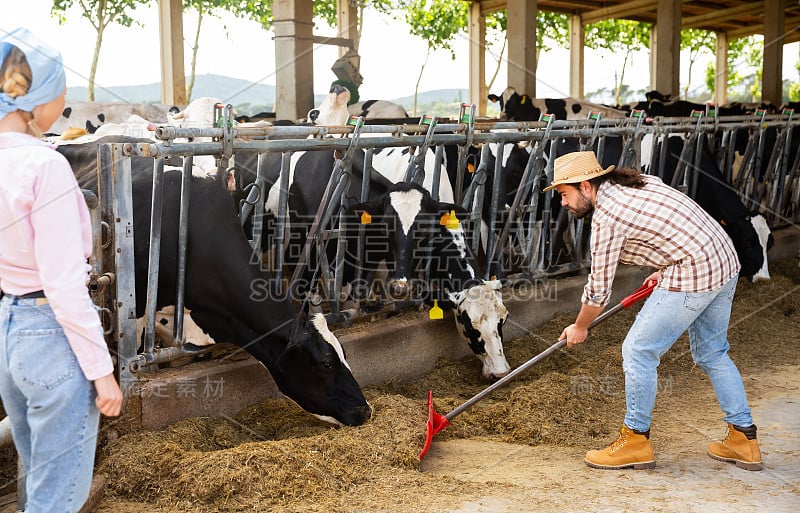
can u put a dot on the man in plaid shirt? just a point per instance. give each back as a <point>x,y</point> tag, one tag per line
<point>639,220</point>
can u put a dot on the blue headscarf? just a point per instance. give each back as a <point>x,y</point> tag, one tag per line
<point>47,70</point>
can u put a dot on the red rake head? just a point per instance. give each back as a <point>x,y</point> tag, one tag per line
<point>435,423</point>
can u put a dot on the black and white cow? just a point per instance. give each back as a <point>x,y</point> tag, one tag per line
<point>748,231</point>
<point>423,242</point>
<point>378,109</point>
<point>227,291</point>
<point>92,115</point>
<point>521,107</point>
<point>333,109</point>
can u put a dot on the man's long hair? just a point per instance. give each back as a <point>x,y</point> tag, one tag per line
<point>627,177</point>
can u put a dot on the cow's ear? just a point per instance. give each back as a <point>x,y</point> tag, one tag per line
<point>456,297</point>
<point>372,209</point>
<point>443,208</point>
<point>494,98</point>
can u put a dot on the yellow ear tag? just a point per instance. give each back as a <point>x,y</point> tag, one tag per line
<point>435,312</point>
<point>524,99</point>
<point>366,218</point>
<point>452,221</point>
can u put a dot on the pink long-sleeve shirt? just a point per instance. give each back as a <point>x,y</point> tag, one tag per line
<point>45,240</point>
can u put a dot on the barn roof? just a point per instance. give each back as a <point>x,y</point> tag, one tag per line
<point>736,17</point>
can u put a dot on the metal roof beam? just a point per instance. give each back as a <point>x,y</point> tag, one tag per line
<point>715,17</point>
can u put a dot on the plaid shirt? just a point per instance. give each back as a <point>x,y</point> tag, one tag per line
<point>656,226</point>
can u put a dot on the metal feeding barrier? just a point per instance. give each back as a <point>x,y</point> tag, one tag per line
<point>526,239</point>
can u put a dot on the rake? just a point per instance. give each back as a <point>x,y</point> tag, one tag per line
<point>437,422</point>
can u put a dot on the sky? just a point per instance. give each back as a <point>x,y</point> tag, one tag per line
<point>390,57</point>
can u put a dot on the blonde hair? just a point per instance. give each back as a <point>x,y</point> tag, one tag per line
<point>15,80</point>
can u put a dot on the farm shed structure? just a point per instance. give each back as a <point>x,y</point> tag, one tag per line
<point>777,20</point>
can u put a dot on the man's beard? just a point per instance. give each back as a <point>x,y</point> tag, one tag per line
<point>583,208</point>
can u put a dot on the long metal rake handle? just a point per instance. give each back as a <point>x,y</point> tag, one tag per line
<point>641,293</point>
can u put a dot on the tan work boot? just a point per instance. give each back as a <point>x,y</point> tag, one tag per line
<point>740,446</point>
<point>631,449</point>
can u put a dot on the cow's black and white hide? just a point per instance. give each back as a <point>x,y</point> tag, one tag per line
<point>228,295</point>
<point>92,115</point>
<point>521,107</point>
<point>750,235</point>
<point>378,109</point>
<point>423,244</point>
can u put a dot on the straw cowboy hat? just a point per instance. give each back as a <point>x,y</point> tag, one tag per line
<point>576,167</point>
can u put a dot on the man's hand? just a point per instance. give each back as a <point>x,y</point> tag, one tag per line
<point>656,276</point>
<point>574,335</point>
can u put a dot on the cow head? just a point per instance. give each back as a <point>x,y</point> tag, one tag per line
<point>515,106</point>
<point>333,109</point>
<point>479,309</point>
<point>313,372</point>
<point>480,315</point>
<point>395,225</point>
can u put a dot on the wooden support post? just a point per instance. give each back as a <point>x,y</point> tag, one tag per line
<point>173,76</point>
<point>522,45</point>
<point>576,37</point>
<point>477,58</point>
<point>665,47</point>
<point>294,52</point>
<point>772,82</point>
<point>721,72</point>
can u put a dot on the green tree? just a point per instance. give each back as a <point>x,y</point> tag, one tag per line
<point>552,30</point>
<point>794,87</point>
<point>204,8</point>
<point>101,14</point>
<point>753,55</point>
<point>437,22</point>
<point>696,42</point>
<point>496,34</point>
<point>736,52</point>
<point>619,37</point>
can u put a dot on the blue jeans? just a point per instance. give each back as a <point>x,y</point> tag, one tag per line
<point>50,404</point>
<point>664,317</point>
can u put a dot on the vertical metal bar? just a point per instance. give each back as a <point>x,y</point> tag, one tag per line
<point>115,188</point>
<point>154,257</point>
<point>493,208</point>
<point>183,240</point>
<point>283,207</point>
<point>258,212</point>
<point>437,171</point>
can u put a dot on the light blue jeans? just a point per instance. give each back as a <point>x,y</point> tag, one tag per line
<point>664,317</point>
<point>51,407</point>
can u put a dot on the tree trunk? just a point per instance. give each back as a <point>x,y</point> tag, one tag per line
<point>419,79</point>
<point>101,27</point>
<point>618,92</point>
<point>195,47</point>
<point>499,62</point>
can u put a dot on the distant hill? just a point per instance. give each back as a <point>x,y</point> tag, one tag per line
<point>249,98</point>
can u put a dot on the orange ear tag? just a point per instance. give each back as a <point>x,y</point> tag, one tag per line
<point>435,312</point>
<point>470,167</point>
<point>366,218</point>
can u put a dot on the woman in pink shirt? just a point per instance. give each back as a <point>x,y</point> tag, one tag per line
<point>56,374</point>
